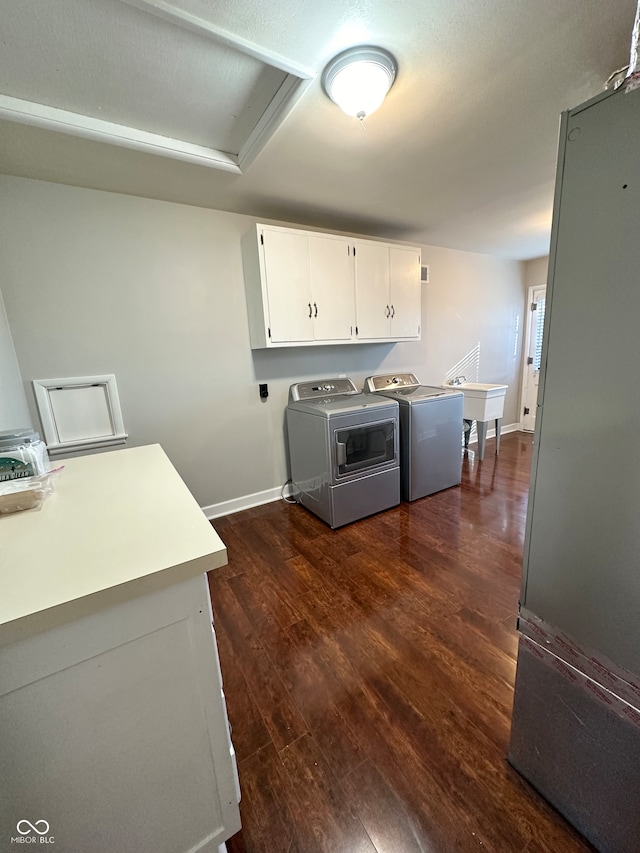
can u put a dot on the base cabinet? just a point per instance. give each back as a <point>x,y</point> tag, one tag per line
<point>114,730</point>
<point>305,288</point>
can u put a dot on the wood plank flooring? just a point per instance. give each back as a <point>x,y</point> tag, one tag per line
<point>369,673</point>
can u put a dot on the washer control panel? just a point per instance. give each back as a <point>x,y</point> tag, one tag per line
<point>391,382</point>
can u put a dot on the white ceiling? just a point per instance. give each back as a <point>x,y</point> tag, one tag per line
<point>461,154</point>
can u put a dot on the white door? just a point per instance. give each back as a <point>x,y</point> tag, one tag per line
<point>288,281</point>
<point>533,355</point>
<point>404,292</point>
<point>332,288</point>
<point>372,290</point>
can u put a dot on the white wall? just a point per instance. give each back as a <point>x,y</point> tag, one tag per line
<point>535,272</point>
<point>153,291</point>
<point>14,413</point>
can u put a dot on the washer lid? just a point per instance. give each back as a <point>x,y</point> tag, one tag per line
<point>419,392</point>
<point>405,388</point>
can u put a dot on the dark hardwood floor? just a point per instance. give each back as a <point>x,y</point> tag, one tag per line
<point>369,673</point>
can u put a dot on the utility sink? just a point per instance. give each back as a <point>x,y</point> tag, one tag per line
<point>482,402</point>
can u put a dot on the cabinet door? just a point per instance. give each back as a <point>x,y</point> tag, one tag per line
<point>332,288</point>
<point>404,292</point>
<point>372,290</point>
<point>288,284</point>
<point>128,700</point>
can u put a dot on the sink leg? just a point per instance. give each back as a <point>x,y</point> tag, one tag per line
<point>482,438</point>
<point>467,432</point>
<point>498,428</point>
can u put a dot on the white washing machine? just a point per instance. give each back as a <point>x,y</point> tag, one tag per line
<point>431,428</point>
<point>343,450</point>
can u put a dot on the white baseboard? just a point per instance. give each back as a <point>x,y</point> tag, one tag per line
<point>245,502</point>
<point>491,433</point>
<point>269,495</point>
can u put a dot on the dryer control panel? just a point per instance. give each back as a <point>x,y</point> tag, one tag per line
<point>321,388</point>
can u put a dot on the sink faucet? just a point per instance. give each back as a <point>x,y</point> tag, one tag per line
<point>458,380</point>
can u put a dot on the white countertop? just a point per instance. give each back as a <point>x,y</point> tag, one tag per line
<point>119,518</point>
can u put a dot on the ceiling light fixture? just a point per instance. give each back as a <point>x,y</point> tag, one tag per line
<point>358,79</point>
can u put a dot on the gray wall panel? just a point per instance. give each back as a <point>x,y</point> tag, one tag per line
<point>583,564</point>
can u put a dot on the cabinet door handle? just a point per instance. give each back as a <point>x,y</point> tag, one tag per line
<point>316,311</point>
<point>388,311</point>
<point>310,311</point>
<point>393,311</point>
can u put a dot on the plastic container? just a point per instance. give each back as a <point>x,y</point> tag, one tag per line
<point>22,455</point>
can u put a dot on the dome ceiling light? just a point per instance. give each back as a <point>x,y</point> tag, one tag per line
<point>358,79</point>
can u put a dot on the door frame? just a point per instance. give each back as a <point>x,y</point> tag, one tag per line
<point>525,351</point>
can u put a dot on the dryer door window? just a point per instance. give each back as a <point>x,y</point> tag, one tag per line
<point>361,448</point>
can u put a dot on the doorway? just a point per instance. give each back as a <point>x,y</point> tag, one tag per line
<point>532,356</point>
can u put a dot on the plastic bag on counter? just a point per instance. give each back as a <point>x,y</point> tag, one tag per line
<point>22,454</point>
<point>27,492</point>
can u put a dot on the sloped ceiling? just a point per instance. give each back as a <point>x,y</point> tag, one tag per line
<point>461,154</point>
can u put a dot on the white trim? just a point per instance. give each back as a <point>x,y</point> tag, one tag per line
<point>86,127</point>
<point>491,433</point>
<point>287,96</point>
<point>98,130</point>
<point>270,495</point>
<point>525,350</point>
<point>188,21</point>
<point>42,389</point>
<point>297,80</point>
<point>87,444</point>
<point>245,502</point>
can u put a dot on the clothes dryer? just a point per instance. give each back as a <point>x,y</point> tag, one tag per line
<point>343,450</point>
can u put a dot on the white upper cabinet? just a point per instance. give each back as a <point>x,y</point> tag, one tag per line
<point>387,291</point>
<point>306,288</point>
<point>372,290</point>
<point>404,291</point>
<point>332,287</point>
<point>287,276</point>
